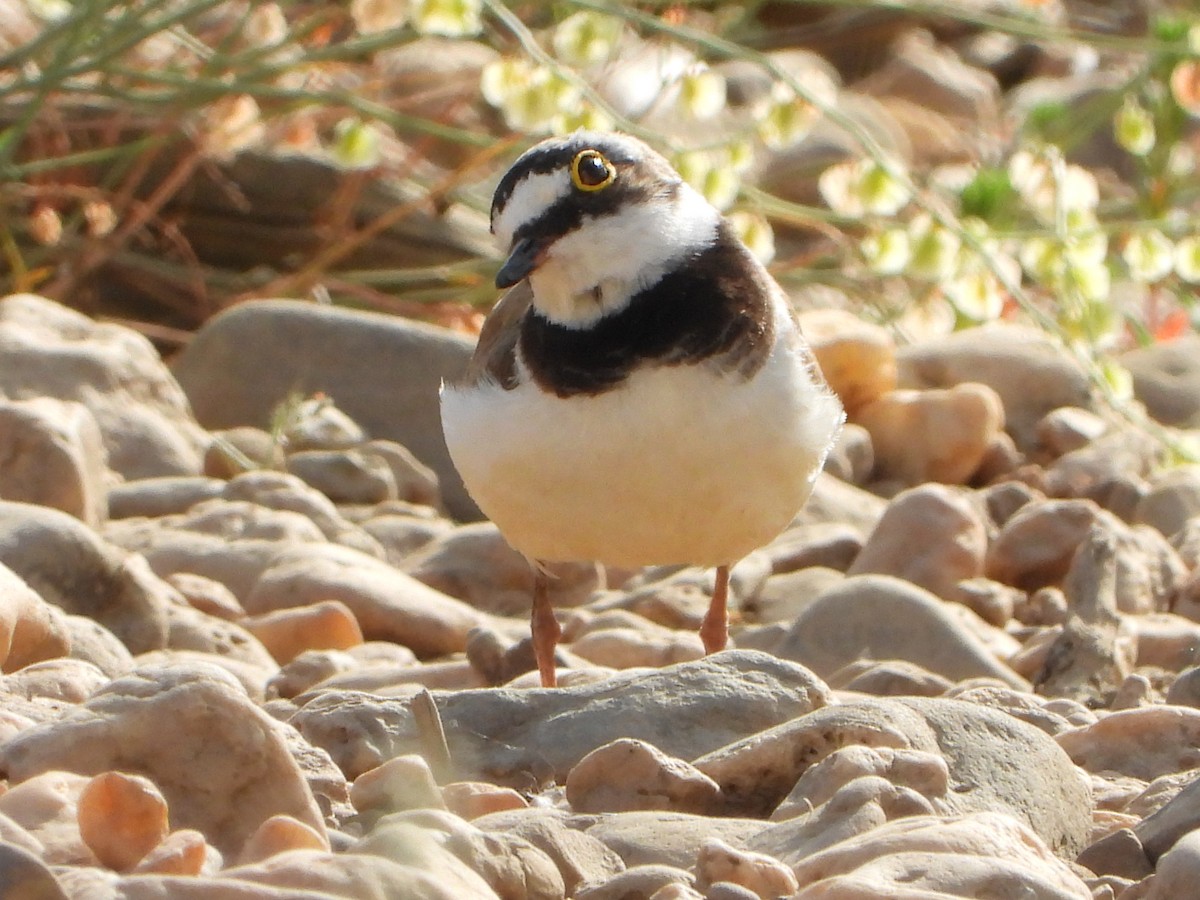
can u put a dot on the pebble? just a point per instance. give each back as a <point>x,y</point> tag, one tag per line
<point>219,745</point>
<point>857,358</point>
<point>182,852</point>
<point>932,435</point>
<point>476,565</point>
<point>979,745</point>
<point>962,857</point>
<point>286,633</point>
<point>948,527</point>
<point>1178,870</point>
<point>512,735</point>
<point>761,875</point>
<point>280,834</point>
<point>656,837</point>
<point>208,596</point>
<point>473,799</point>
<point>388,604</point>
<point>1030,374</point>
<point>73,568</point>
<point>403,782</point>
<point>383,371</point>
<point>1069,428</point>
<point>345,476</point>
<point>639,881</point>
<point>882,617</point>
<point>162,496</point>
<point>143,415</point>
<point>1172,499</point>
<point>581,858</point>
<point>31,630</point>
<point>46,807</point>
<point>122,817</point>
<point>1185,690</point>
<point>1144,743</point>
<point>1166,378</point>
<point>889,678</point>
<point>53,455</point>
<point>629,774</point>
<point>921,771</point>
<point>627,648</point>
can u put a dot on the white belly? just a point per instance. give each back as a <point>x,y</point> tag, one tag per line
<point>679,465</point>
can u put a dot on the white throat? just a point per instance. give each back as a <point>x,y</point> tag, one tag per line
<point>598,268</point>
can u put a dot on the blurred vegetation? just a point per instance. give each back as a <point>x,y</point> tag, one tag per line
<point>162,159</point>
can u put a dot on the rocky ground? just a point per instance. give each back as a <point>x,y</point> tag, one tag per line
<point>256,643</point>
<point>247,663</point>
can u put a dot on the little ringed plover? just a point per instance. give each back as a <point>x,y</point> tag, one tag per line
<point>642,395</point>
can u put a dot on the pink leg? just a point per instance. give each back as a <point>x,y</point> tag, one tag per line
<point>544,628</point>
<point>715,629</point>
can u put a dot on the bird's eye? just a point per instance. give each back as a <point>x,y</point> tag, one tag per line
<point>590,171</point>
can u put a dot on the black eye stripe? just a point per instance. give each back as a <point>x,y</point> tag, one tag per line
<point>558,154</point>
<point>568,213</point>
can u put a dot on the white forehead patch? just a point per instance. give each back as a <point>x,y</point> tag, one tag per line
<point>533,195</point>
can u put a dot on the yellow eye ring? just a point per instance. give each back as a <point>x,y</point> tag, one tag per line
<point>590,171</point>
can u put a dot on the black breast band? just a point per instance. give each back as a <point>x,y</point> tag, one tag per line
<point>712,304</point>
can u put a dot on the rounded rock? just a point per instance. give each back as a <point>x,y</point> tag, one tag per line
<point>629,774</point>
<point>932,435</point>
<point>946,526</point>
<point>122,817</point>
<point>857,358</point>
<point>286,633</point>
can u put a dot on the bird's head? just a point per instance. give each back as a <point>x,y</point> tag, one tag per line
<point>591,219</point>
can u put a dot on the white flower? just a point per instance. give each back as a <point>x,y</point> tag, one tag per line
<point>788,117</point>
<point>701,92</point>
<point>584,117</point>
<point>1133,128</point>
<point>1181,161</point>
<point>1079,190</point>
<point>756,233</point>
<point>532,98</point>
<point>1047,184</point>
<point>1087,246</point>
<point>863,186</point>
<point>934,249</point>
<point>1187,259</point>
<point>1091,282</point>
<point>721,186</point>
<point>356,144</point>
<point>1149,255</point>
<point>887,252</point>
<point>503,78</point>
<point>712,174</point>
<point>1074,265</point>
<point>977,295</point>
<point>1027,172</point>
<point>450,18</point>
<point>741,156</point>
<point>373,16</point>
<point>587,38</point>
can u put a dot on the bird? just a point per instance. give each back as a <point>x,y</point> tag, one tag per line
<point>641,394</point>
